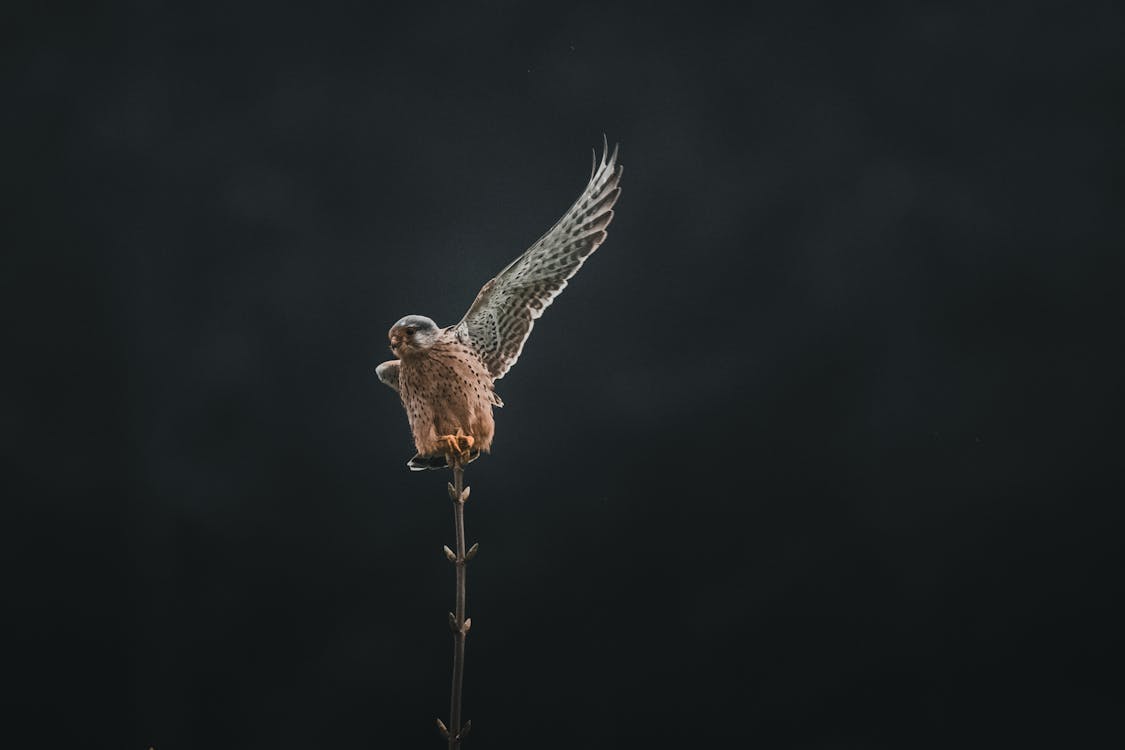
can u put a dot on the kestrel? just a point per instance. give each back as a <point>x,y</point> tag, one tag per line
<point>446,376</point>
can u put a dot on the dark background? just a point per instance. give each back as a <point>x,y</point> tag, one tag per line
<point>821,449</point>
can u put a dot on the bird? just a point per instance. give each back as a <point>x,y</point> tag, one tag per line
<point>446,377</point>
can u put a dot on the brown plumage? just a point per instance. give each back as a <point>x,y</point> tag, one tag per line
<point>445,376</point>
<point>446,390</point>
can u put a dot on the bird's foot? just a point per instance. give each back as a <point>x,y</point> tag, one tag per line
<point>457,447</point>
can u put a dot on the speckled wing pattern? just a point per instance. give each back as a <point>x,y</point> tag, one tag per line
<point>505,310</point>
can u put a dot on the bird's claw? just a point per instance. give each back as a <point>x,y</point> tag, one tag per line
<point>457,446</point>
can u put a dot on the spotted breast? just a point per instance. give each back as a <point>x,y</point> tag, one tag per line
<point>446,389</point>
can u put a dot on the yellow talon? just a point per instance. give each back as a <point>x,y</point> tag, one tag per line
<point>457,445</point>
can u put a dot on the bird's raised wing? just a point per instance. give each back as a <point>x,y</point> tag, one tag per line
<point>502,316</point>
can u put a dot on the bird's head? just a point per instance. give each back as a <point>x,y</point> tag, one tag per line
<point>411,334</point>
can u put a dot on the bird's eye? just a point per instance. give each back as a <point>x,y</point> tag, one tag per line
<point>410,331</point>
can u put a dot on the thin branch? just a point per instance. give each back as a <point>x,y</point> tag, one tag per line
<point>458,623</point>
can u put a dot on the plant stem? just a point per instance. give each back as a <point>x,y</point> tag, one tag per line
<point>458,623</point>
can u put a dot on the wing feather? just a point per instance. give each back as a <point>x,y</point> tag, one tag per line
<point>388,373</point>
<point>501,318</point>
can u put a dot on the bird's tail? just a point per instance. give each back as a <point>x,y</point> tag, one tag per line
<point>436,461</point>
